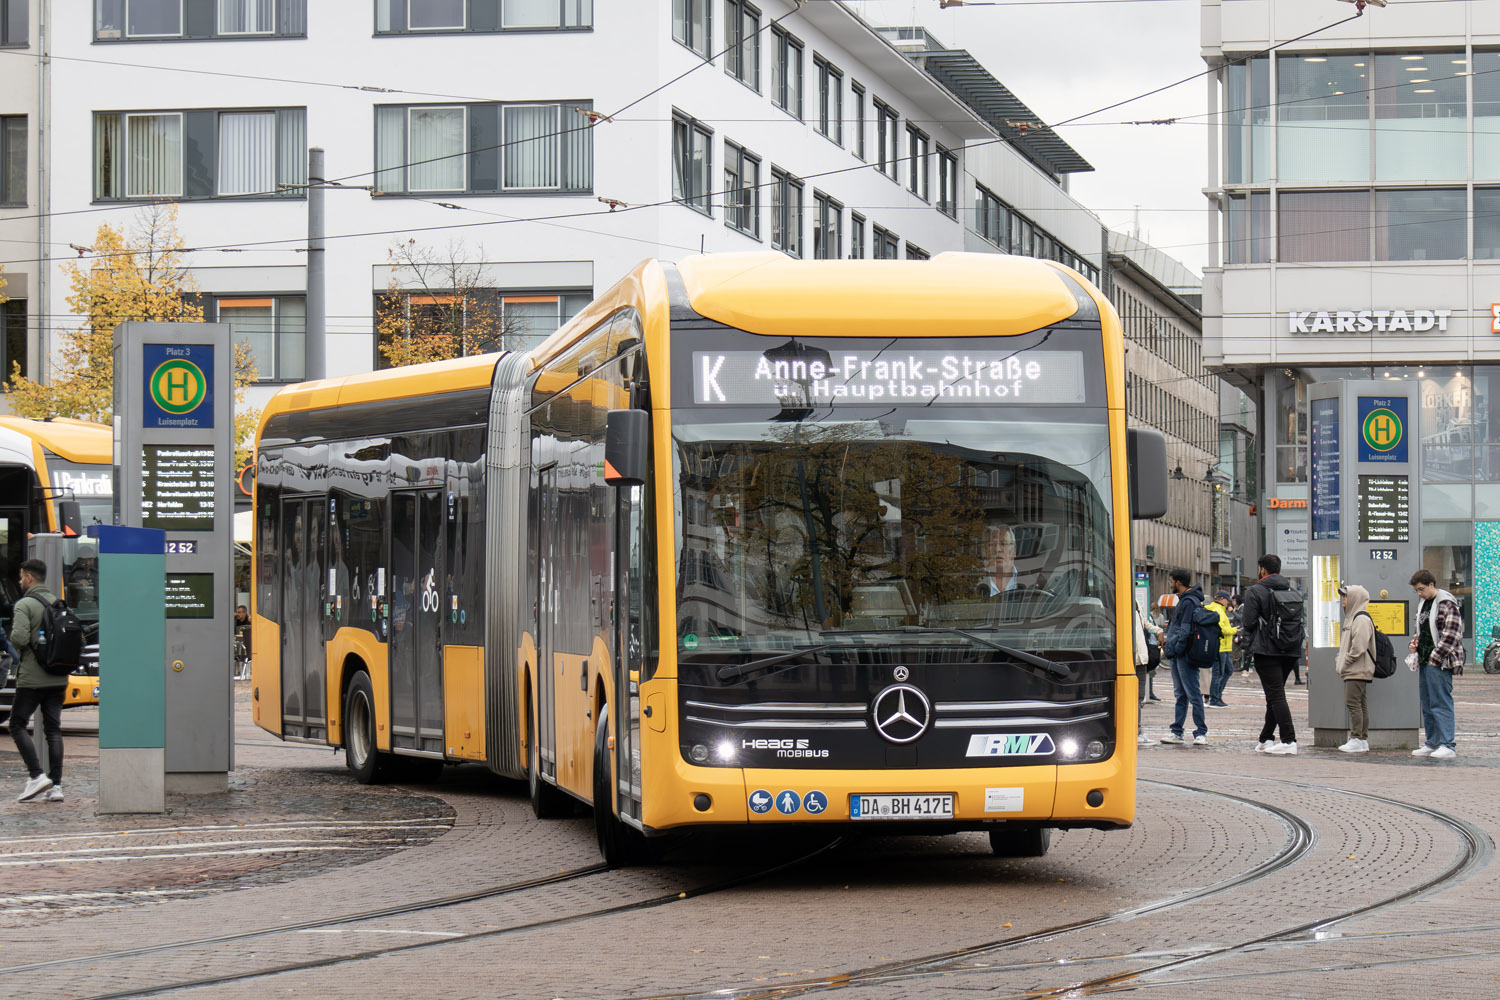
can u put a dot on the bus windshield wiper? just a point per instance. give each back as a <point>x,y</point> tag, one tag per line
<point>738,671</point>
<point>1053,667</point>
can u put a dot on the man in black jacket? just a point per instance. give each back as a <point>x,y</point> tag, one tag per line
<point>1272,661</point>
<point>1184,675</point>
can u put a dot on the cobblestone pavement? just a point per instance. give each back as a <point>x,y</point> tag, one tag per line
<point>1320,875</point>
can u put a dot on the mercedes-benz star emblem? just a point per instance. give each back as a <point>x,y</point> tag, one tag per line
<point>901,713</point>
<point>901,673</point>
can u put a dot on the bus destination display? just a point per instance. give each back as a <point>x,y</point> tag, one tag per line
<point>177,487</point>
<point>1384,509</point>
<point>810,376</point>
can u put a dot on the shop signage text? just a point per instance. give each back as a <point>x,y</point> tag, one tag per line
<point>1369,321</point>
<point>1275,503</point>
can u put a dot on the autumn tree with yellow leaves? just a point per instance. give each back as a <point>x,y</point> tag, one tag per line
<point>136,276</point>
<point>436,307</point>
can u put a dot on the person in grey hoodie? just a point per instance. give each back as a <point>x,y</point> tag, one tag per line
<point>1356,664</point>
<point>36,688</point>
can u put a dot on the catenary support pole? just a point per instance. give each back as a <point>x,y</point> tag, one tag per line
<point>317,310</point>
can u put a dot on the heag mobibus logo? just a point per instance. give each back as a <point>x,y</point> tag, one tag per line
<point>784,747</point>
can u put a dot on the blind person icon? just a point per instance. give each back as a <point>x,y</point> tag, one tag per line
<point>788,802</point>
<point>814,803</point>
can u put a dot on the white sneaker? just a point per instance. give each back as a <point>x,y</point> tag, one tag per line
<point>34,787</point>
<point>1284,749</point>
<point>1264,746</point>
<point>1171,738</point>
<point>1355,746</point>
<point>55,794</point>
<point>1200,741</point>
<point>1422,751</point>
<point>1364,747</point>
<point>1444,753</point>
<point>1144,740</point>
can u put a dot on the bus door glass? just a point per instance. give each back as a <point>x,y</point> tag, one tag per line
<point>303,596</point>
<point>628,609</point>
<point>546,611</point>
<point>12,554</point>
<point>416,629</point>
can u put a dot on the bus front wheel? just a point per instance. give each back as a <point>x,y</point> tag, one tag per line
<point>1022,843</point>
<point>368,764</point>
<point>621,844</point>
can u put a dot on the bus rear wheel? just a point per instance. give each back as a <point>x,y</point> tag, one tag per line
<point>622,845</point>
<point>368,764</point>
<point>1030,842</point>
<point>546,801</point>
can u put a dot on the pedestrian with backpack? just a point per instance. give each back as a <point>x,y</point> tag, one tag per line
<point>1438,642</point>
<point>1276,622</point>
<point>1183,646</point>
<point>36,688</point>
<point>1356,664</point>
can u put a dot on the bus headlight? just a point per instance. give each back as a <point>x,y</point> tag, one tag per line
<point>1068,749</point>
<point>1095,749</point>
<point>726,751</point>
<point>699,753</point>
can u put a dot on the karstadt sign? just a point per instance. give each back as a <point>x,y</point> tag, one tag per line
<point>1369,321</point>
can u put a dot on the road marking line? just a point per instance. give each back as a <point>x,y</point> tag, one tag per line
<point>248,827</point>
<point>168,857</point>
<point>378,930</point>
<point>179,847</point>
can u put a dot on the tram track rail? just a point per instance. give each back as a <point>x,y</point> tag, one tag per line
<point>416,906</point>
<point>1476,851</point>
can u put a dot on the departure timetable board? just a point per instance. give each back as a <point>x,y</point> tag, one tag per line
<point>177,487</point>
<point>1384,509</point>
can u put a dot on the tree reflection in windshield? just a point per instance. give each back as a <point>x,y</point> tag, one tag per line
<point>794,529</point>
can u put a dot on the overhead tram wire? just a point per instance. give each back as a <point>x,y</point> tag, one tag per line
<point>671,201</point>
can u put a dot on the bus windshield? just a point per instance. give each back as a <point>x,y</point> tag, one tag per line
<point>980,522</point>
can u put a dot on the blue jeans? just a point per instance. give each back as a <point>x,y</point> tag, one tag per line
<point>1185,684</point>
<point>1223,670</point>
<point>1436,690</point>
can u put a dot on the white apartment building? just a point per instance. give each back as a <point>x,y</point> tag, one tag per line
<point>465,125</point>
<point>22,184</point>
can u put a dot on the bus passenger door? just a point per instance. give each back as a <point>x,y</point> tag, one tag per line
<point>628,609</point>
<point>302,596</point>
<point>12,554</point>
<point>416,646</point>
<point>546,617</point>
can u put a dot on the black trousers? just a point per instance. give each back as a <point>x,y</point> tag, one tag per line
<point>50,701</point>
<point>1273,672</point>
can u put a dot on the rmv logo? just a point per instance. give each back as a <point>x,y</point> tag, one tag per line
<point>178,386</point>
<point>1011,745</point>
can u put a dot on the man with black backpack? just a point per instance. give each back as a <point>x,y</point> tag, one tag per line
<point>1189,647</point>
<point>1276,622</point>
<point>36,688</point>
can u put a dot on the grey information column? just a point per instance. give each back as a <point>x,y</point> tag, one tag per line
<point>174,467</point>
<point>1363,493</point>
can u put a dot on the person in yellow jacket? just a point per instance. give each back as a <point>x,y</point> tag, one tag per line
<point>1224,669</point>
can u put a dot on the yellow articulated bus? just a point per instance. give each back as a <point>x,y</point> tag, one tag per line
<point>55,476</point>
<point>748,541</point>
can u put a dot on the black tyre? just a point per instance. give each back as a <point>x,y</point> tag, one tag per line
<point>622,845</point>
<point>368,764</point>
<point>547,802</point>
<point>1029,842</point>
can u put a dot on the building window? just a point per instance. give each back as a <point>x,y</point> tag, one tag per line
<point>200,154</point>
<point>786,212</point>
<point>1291,430</point>
<point>786,73</point>
<point>887,155</point>
<point>484,148</point>
<point>1249,228</point>
<point>273,327</point>
<point>692,162</point>
<point>1420,104</point>
<point>1486,128</point>
<point>887,245</point>
<point>480,319</point>
<point>856,236</point>
<point>947,202</point>
<point>914,252</point>
<point>533,15</point>
<point>400,17</point>
<point>1426,224</point>
<point>692,24</point>
<point>991,218</point>
<point>13,341</point>
<point>155,20</point>
<point>741,190</point>
<point>857,96</point>
<point>742,44</point>
<point>916,152</point>
<point>1321,226</point>
<point>1248,116</point>
<point>828,236</point>
<point>14,26</point>
<point>830,100</point>
<point>1323,133</point>
<point>1487,223</point>
<point>12,160</point>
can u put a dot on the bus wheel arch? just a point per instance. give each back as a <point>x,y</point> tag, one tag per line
<point>619,843</point>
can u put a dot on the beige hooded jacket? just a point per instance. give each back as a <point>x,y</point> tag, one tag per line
<point>1356,660</point>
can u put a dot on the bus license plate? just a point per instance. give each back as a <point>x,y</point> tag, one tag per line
<point>901,807</point>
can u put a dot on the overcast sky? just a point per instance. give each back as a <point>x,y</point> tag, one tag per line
<point>1064,59</point>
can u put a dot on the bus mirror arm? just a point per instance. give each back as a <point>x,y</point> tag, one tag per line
<point>627,447</point>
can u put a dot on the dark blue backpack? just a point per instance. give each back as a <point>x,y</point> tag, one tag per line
<point>1203,638</point>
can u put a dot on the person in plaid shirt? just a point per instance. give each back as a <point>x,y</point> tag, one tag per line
<point>1438,643</point>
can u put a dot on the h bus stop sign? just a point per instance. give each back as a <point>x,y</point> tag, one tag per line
<point>174,467</point>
